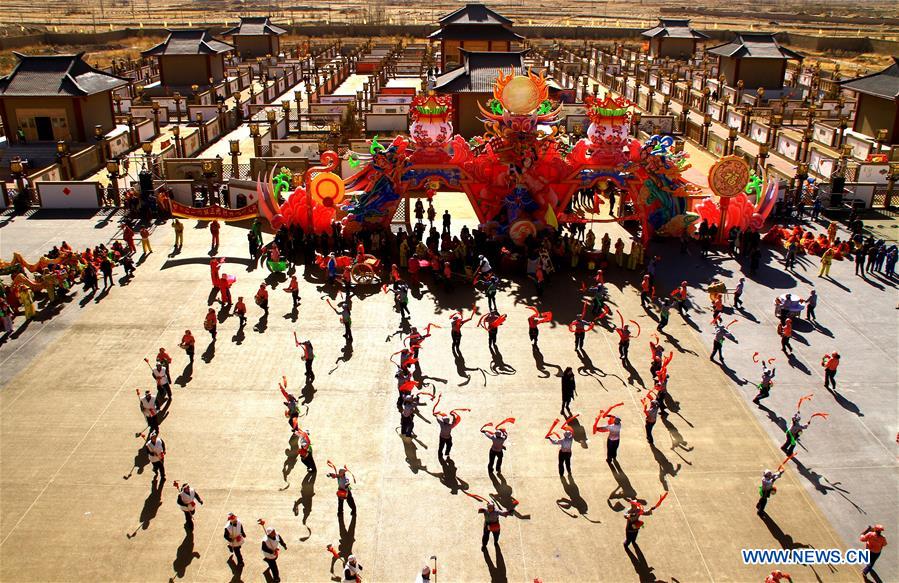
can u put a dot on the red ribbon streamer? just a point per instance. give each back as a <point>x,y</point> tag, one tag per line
<point>661,499</point>
<point>784,463</point>
<point>803,399</point>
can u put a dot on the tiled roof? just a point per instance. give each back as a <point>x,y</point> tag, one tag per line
<point>883,84</point>
<point>486,32</point>
<point>479,71</point>
<point>254,26</point>
<point>189,42</point>
<point>473,14</point>
<point>754,45</point>
<point>49,75</point>
<point>673,28</point>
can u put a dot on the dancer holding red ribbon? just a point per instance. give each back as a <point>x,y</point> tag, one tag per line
<point>767,488</point>
<point>457,321</point>
<point>344,490</point>
<point>498,439</point>
<point>491,323</point>
<point>534,320</point>
<point>633,523</point>
<point>767,380</point>
<point>491,523</point>
<point>447,422</point>
<point>564,442</point>
<point>614,430</point>
<point>580,327</point>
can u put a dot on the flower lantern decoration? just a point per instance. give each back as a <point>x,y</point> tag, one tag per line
<point>430,120</point>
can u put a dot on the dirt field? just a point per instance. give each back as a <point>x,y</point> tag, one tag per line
<point>878,19</point>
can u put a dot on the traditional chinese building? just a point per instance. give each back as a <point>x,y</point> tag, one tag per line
<point>673,38</point>
<point>473,28</point>
<point>255,36</point>
<point>473,82</point>
<point>57,97</point>
<point>190,57</point>
<point>754,58</point>
<point>878,103</point>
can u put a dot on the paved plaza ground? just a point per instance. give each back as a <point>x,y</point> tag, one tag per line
<point>76,502</point>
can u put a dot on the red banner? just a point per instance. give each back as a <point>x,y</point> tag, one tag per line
<point>214,212</point>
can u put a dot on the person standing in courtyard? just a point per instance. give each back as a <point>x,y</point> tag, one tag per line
<point>786,333</point>
<point>491,523</point>
<point>156,454</point>
<point>830,362</point>
<point>211,323</point>
<point>456,329</point>
<point>874,542</point>
<point>188,343</point>
<point>447,422</point>
<point>128,236</point>
<point>633,523</point>
<point>178,227</point>
<point>766,489</point>
<point>235,537</point>
<point>564,444</point>
<point>568,391</point>
<point>187,500</point>
<point>293,288</point>
<point>613,440</point>
<point>793,433</point>
<point>106,270</point>
<point>145,241</point>
<point>270,551</point>
<point>651,412</point>
<point>214,228</point>
<point>765,384</point>
<point>307,356</point>
<point>810,303</point>
<point>497,439</point>
<point>344,490</point>
<point>826,261</point>
<point>352,568</point>
<point>261,298</point>
<point>240,310</point>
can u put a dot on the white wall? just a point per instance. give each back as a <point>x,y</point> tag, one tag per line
<point>68,195</point>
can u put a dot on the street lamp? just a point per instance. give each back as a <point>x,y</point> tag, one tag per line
<point>155,108</point>
<point>234,148</point>
<point>196,91</point>
<point>237,106</point>
<point>147,148</point>
<point>112,167</point>
<point>62,151</point>
<point>17,170</point>
<point>285,105</point>
<point>892,177</point>
<point>635,119</point>
<point>272,116</point>
<point>257,145</point>
<point>209,174</point>
<point>179,146</point>
<point>176,96</point>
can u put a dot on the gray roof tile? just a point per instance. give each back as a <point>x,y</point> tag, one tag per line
<point>62,75</point>
<point>883,84</point>
<point>189,42</point>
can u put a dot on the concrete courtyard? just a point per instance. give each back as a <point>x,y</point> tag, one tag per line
<point>76,502</point>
